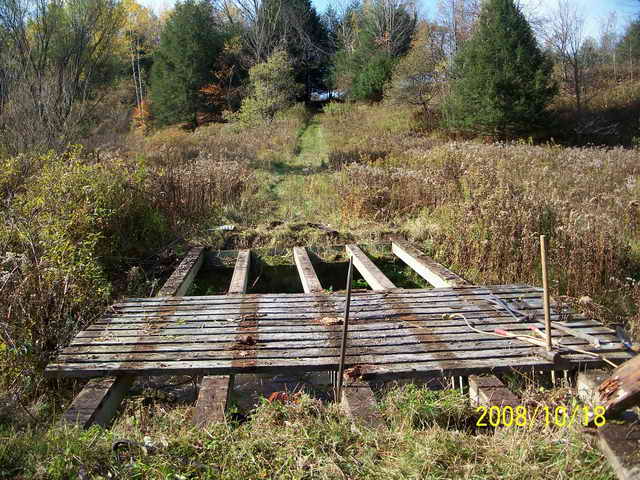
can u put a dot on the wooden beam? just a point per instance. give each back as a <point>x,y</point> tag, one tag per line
<point>182,278</point>
<point>99,400</point>
<point>240,278</point>
<point>372,274</point>
<point>359,403</point>
<point>434,273</point>
<point>490,391</point>
<point>215,389</point>
<point>212,400</point>
<point>308,277</point>
<point>622,389</point>
<point>619,441</point>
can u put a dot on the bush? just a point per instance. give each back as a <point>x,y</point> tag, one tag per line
<point>67,230</point>
<point>273,90</point>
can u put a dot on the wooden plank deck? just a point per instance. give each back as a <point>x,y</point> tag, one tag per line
<point>399,333</point>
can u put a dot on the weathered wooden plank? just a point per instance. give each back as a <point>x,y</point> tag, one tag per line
<point>230,309</point>
<point>469,290</point>
<point>212,400</point>
<point>308,277</point>
<point>224,351</point>
<point>360,405</point>
<point>490,391</point>
<point>230,312</point>
<point>372,274</point>
<point>265,297</point>
<point>621,445</point>
<point>182,277</point>
<point>383,371</point>
<point>619,441</point>
<point>310,324</point>
<point>295,347</point>
<point>308,332</point>
<point>97,402</point>
<point>256,356</point>
<point>434,273</point>
<point>240,278</point>
<point>622,389</point>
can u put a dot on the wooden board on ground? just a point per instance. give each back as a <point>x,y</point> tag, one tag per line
<point>434,273</point>
<point>360,404</point>
<point>618,439</point>
<point>212,400</point>
<point>179,282</point>
<point>97,402</point>
<point>490,391</point>
<point>308,277</point>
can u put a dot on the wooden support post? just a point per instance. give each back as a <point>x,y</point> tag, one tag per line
<point>98,402</point>
<point>372,274</point>
<point>215,389</point>
<point>490,392</point>
<point>359,403</point>
<point>357,397</point>
<point>212,400</point>
<point>240,278</point>
<point>308,277</point>
<point>100,398</point>
<point>545,286</point>
<point>434,273</point>
<point>620,442</point>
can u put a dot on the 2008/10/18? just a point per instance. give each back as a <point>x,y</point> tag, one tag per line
<point>509,416</point>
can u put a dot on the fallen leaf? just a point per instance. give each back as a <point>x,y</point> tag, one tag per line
<point>330,321</point>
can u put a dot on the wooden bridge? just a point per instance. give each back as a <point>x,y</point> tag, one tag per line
<point>394,333</point>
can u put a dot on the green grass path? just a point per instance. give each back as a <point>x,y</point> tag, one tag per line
<point>292,196</point>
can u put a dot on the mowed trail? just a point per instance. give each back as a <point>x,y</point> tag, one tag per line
<point>294,199</point>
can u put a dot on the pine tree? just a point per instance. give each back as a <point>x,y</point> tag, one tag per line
<point>189,45</point>
<point>502,81</point>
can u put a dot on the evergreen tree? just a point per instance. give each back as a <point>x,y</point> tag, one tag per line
<point>628,48</point>
<point>502,81</point>
<point>189,45</point>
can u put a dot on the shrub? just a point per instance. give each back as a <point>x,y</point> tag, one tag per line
<point>70,227</point>
<point>273,89</point>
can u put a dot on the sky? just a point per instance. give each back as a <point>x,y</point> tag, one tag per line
<point>593,10</point>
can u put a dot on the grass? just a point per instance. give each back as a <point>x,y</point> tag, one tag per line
<point>364,171</point>
<point>430,435</point>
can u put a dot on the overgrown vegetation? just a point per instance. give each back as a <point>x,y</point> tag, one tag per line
<point>304,439</point>
<point>119,153</point>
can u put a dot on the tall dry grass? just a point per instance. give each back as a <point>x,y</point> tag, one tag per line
<point>480,208</point>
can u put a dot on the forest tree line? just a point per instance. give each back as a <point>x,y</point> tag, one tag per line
<point>246,60</point>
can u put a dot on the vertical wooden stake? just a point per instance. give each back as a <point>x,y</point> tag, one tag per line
<point>545,286</point>
<point>345,327</point>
